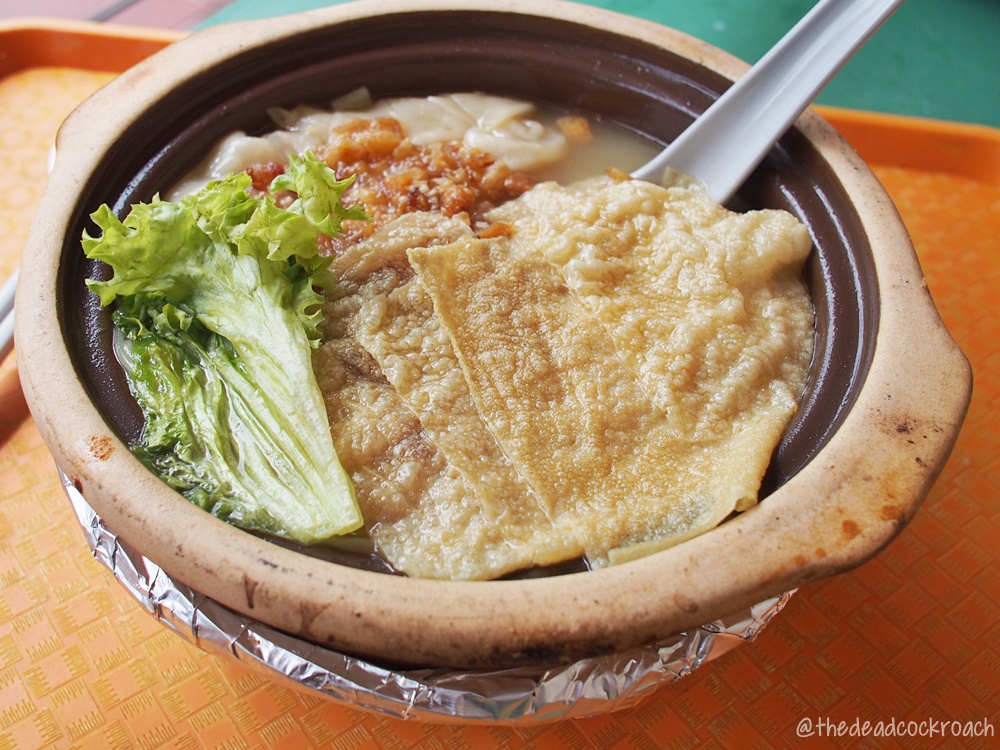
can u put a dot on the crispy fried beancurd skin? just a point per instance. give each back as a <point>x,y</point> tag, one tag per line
<point>599,372</point>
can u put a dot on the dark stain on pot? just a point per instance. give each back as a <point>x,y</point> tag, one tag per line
<point>686,603</point>
<point>894,513</point>
<point>100,447</point>
<point>530,654</point>
<point>309,613</point>
<point>850,529</point>
<point>250,588</point>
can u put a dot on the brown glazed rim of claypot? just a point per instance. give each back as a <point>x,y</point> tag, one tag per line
<point>886,398</point>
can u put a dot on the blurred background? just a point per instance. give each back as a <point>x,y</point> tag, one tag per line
<point>163,14</point>
<point>933,59</point>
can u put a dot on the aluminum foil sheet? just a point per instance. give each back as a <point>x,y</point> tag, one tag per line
<point>524,695</point>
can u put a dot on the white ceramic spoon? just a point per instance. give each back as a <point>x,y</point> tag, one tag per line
<point>731,137</point>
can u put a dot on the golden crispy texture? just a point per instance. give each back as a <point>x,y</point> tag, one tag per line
<point>431,480</point>
<point>501,526</point>
<point>705,305</point>
<point>563,407</point>
<point>606,376</point>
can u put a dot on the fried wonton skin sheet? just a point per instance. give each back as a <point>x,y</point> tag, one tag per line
<point>431,481</point>
<point>707,306</point>
<point>606,376</point>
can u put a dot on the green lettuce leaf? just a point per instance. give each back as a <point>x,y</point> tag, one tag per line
<point>217,313</point>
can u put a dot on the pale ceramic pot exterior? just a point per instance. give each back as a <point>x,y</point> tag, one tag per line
<point>885,402</point>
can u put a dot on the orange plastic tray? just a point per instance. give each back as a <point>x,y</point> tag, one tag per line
<point>908,642</point>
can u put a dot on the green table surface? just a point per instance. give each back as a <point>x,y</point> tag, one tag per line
<point>936,59</point>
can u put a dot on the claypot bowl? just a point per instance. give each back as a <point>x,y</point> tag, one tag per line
<point>885,399</point>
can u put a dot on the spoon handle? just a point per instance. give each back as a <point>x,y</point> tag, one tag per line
<point>7,316</point>
<point>725,143</point>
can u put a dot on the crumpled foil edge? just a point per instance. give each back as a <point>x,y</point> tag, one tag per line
<point>524,695</point>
